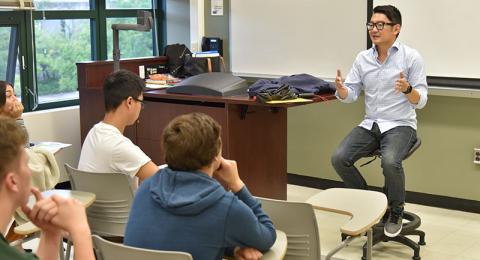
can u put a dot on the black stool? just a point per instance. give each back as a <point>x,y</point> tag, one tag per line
<point>409,227</point>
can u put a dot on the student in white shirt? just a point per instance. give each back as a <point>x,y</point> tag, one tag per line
<point>105,148</point>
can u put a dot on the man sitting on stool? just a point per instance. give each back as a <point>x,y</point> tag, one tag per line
<point>393,78</point>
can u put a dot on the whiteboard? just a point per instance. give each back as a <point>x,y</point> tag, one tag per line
<point>284,37</point>
<point>446,33</point>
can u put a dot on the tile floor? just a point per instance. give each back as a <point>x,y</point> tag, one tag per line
<point>450,234</point>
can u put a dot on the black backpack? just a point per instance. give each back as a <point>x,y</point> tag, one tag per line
<point>176,58</point>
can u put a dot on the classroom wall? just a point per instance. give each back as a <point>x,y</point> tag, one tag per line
<point>449,128</point>
<point>443,165</point>
<point>178,21</point>
<point>60,125</point>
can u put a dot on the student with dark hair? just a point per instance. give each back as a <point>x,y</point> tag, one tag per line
<point>198,204</point>
<point>105,148</point>
<point>393,78</point>
<point>11,107</point>
<point>52,215</point>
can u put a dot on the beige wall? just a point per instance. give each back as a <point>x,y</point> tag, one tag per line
<point>59,125</point>
<point>448,126</point>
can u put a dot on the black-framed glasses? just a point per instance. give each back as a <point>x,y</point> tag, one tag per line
<point>142,102</point>
<point>379,25</point>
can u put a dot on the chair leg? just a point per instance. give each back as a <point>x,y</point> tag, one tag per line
<point>420,234</point>
<point>69,249</point>
<point>410,243</point>
<point>61,253</point>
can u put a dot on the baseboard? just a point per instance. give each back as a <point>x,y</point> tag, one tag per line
<point>411,196</point>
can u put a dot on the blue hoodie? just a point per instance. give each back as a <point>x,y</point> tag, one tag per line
<point>192,212</point>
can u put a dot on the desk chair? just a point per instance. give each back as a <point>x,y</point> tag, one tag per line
<point>107,250</point>
<point>108,215</point>
<point>365,207</point>
<point>409,227</point>
<point>297,220</point>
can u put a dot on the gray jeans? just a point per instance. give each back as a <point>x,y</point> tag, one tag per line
<point>394,145</point>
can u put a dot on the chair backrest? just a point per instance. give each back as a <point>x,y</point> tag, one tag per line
<point>298,221</point>
<point>106,250</point>
<point>108,215</point>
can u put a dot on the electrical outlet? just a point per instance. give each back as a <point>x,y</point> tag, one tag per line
<point>476,155</point>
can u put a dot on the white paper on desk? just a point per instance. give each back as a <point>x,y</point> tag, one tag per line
<point>52,147</point>
<point>156,86</point>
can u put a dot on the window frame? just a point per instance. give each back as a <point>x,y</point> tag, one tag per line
<point>98,15</point>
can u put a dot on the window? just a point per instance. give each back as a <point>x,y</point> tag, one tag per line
<point>132,43</point>
<point>128,4</point>
<point>39,49</point>
<point>62,5</point>
<point>59,44</point>
<point>10,57</point>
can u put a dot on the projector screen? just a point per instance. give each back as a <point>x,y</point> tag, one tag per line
<point>284,37</point>
<point>445,32</point>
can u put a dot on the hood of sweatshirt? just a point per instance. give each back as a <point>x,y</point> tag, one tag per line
<point>184,193</point>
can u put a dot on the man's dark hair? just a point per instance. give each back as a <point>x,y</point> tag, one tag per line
<point>3,89</point>
<point>391,12</point>
<point>191,142</point>
<point>120,85</point>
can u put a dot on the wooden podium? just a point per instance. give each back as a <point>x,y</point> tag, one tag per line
<point>253,134</point>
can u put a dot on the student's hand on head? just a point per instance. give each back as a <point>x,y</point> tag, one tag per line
<point>401,85</point>
<point>227,175</point>
<point>246,253</point>
<point>41,214</point>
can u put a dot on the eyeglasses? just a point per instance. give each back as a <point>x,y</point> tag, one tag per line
<point>139,100</point>
<point>379,25</point>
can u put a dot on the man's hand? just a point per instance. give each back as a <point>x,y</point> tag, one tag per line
<point>339,80</point>
<point>227,175</point>
<point>71,215</point>
<point>246,253</point>
<point>42,213</point>
<point>401,85</point>
<point>341,89</point>
<point>17,109</point>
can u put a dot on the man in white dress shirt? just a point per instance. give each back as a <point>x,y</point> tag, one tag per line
<point>393,78</point>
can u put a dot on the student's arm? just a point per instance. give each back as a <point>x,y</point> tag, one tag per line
<point>71,217</point>
<point>146,171</point>
<point>48,246</point>
<point>54,214</point>
<point>247,226</point>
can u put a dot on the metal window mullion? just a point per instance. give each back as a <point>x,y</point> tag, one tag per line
<point>62,14</point>
<point>12,54</point>
<point>31,88</point>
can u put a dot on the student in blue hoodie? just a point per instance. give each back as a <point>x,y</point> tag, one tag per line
<point>198,204</point>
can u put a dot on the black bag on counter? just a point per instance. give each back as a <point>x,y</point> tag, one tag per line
<point>176,54</point>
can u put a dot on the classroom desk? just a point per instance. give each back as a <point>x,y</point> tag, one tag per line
<point>86,198</point>
<point>253,134</point>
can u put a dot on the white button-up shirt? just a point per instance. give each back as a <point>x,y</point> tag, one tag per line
<point>383,106</point>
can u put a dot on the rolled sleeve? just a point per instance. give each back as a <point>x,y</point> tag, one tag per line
<point>418,79</point>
